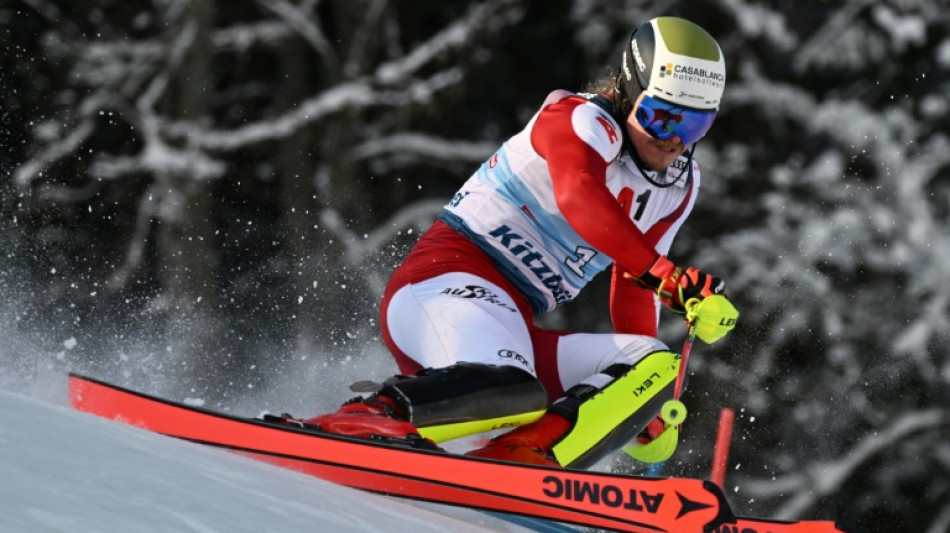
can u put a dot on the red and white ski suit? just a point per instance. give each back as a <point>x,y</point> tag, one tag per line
<point>558,203</point>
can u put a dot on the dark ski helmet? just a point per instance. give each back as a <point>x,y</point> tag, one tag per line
<point>676,61</point>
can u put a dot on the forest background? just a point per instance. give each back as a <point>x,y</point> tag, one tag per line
<point>205,198</point>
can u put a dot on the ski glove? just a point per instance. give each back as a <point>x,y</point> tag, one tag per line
<point>675,286</point>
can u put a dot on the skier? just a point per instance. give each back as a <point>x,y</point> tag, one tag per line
<point>592,180</point>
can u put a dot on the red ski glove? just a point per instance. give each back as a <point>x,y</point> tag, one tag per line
<point>675,286</point>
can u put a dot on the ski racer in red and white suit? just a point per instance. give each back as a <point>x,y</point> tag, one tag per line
<point>592,181</point>
<point>559,202</point>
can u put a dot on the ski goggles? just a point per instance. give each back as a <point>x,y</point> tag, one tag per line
<point>663,120</point>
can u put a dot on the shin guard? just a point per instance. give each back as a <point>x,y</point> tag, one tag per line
<point>468,398</point>
<point>604,419</point>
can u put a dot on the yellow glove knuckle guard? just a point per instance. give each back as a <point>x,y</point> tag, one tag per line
<point>713,317</point>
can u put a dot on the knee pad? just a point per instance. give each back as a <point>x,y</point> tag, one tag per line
<point>604,419</point>
<point>468,398</point>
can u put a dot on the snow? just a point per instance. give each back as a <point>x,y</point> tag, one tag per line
<point>63,470</point>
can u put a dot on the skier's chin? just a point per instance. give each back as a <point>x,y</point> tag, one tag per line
<point>660,157</point>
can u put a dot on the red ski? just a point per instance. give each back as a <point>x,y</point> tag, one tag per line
<point>614,502</point>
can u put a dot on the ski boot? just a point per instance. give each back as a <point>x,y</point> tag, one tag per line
<point>529,444</point>
<point>365,418</point>
<point>439,404</point>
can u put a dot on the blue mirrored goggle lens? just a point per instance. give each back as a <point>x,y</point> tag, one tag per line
<point>663,120</point>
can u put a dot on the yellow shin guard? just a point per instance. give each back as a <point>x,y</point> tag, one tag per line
<point>605,419</point>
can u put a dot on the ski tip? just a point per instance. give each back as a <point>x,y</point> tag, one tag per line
<point>726,515</point>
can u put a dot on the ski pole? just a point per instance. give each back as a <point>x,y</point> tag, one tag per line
<point>684,359</point>
<point>709,319</point>
<point>673,413</point>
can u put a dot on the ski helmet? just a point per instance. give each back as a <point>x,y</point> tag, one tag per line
<point>676,61</point>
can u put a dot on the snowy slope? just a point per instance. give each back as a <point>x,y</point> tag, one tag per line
<point>65,471</point>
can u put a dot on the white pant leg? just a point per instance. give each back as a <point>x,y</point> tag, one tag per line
<point>459,317</point>
<point>581,357</point>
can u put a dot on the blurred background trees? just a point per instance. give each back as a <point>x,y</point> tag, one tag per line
<point>206,198</point>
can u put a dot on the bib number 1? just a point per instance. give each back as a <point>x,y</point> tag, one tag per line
<point>582,257</point>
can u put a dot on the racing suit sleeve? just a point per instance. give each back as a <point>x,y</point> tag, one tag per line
<point>633,309</point>
<point>579,178</point>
